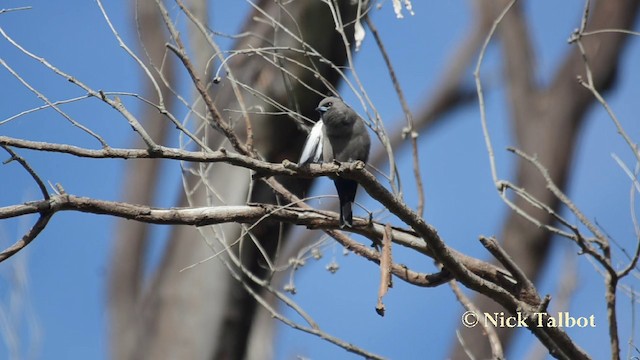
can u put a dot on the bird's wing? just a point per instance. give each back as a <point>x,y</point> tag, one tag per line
<point>312,151</point>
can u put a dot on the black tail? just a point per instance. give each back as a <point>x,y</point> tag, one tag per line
<point>347,194</point>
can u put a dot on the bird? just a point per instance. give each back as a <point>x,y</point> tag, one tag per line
<point>340,135</point>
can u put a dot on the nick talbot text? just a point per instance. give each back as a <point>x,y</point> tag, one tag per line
<point>561,319</point>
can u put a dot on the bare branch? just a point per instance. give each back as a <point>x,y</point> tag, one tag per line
<point>35,230</point>
<point>114,103</point>
<point>496,347</point>
<point>385,269</point>
<point>2,11</point>
<point>49,102</point>
<point>409,129</point>
<point>28,168</point>
<point>498,252</point>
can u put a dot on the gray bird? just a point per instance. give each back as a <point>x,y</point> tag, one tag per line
<point>339,135</point>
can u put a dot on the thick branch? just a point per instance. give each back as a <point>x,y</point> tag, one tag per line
<point>250,214</point>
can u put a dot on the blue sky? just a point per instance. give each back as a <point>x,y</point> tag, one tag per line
<point>66,266</point>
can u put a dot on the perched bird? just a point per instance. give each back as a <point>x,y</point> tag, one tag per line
<point>340,135</point>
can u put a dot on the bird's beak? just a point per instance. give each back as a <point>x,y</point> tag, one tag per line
<point>322,109</point>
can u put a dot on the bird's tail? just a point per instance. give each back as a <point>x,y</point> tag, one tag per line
<point>347,194</point>
<point>346,216</point>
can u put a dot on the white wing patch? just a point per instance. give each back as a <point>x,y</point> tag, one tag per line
<point>312,151</point>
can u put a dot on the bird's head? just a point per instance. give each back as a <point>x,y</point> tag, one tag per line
<point>326,104</point>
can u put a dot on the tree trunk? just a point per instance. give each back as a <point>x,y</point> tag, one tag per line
<point>202,313</point>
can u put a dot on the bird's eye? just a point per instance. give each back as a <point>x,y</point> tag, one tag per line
<point>329,104</point>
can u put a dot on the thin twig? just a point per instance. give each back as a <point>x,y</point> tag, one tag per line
<point>483,114</point>
<point>494,340</point>
<point>28,168</point>
<point>561,195</point>
<point>180,51</point>
<point>3,11</point>
<point>47,106</point>
<point>124,46</point>
<point>51,104</point>
<point>409,129</point>
<point>240,98</point>
<point>35,230</point>
<point>313,327</point>
<point>380,131</point>
<point>116,104</point>
<point>492,245</point>
<point>218,121</point>
<point>611,276</point>
<point>635,187</point>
